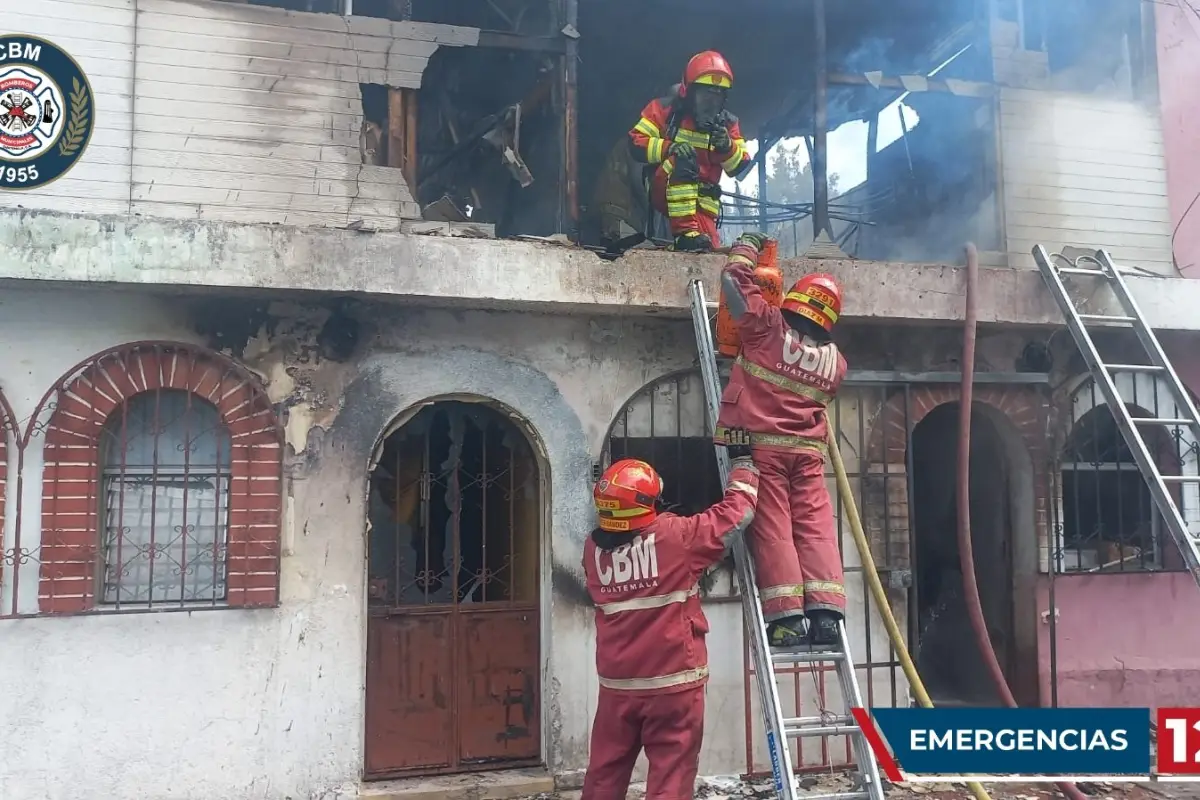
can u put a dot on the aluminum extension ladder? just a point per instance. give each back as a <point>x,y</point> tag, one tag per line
<point>779,728</point>
<point>1187,537</point>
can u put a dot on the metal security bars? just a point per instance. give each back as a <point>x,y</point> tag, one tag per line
<point>664,425</point>
<point>455,515</point>
<point>883,420</point>
<point>166,462</point>
<point>1108,522</point>
<point>160,470</point>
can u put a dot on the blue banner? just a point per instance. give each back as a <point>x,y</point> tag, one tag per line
<point>1018,741</point>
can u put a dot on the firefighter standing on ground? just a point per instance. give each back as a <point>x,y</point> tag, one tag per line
<point>643,571</point>
<point>692,139</point>
<point>786,374</point>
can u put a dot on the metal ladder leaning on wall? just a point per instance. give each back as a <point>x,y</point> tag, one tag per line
<point>779,728</point>
<point>1102,373</point>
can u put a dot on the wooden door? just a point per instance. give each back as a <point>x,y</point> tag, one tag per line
<point>453,657</point>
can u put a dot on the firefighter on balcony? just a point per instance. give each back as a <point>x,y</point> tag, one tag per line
<point>785,375</point>
<point>643,570</point>
<point>689,138</point>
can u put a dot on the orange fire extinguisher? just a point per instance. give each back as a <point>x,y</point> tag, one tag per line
<point>769,277</point>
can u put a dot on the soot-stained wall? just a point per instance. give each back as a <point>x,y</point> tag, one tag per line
<point>276,695</point>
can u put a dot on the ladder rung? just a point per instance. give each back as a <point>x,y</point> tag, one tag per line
<point>1160,421</point>
<point>1106,318</point>
<point>836,796</point>
<point>1081,271</point>
<point>821,730</point>
<point>710,305</point>
<point>809,722</point>
<point>1180,478</point>
<point>1132,368</point>
<point>805,656</point>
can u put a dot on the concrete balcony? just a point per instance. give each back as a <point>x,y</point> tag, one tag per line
<point>456,272</point>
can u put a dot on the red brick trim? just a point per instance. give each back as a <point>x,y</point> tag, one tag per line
<point>81,403</point>
<point>1026,407</point>
<point>1023,405</point>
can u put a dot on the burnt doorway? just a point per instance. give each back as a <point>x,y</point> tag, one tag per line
<point>453,657</point>
<point>948,656</point>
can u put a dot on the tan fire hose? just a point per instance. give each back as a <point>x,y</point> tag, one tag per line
<point>877,590</point>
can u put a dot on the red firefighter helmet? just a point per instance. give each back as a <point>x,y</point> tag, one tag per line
<point>708,68</point>
<point>816,297</point>
<point>625,496</point>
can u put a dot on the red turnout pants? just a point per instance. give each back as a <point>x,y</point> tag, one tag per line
<point>669,726</point>
<point>684,207</point>
<point>793,538</point>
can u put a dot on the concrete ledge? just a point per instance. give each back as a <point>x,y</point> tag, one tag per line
<point>498,785</point>
<point>439,271</point>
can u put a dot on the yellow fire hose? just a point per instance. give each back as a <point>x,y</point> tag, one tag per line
<point>877,591</point>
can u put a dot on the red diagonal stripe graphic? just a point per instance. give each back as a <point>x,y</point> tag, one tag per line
<point>888,764</point>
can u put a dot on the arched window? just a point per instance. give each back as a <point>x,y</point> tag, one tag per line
<point>166,459</point>
<point>162,486</point>
<point>1109,521</point>
<point>665,425</point>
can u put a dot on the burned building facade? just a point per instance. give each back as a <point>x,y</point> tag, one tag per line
<point>315,351</point>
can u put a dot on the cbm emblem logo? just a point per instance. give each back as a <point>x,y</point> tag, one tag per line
<point>46,112</point>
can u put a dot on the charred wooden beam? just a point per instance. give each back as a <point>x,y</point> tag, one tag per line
<point>571,115</point>
<point>516,41</point>
<point>402,133</point>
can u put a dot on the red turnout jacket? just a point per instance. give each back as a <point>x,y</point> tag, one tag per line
<point>781,381</point>
<point>649,625</point>
<point>654,134</point>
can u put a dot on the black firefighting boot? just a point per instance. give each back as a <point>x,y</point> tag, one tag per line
<point>823,628</point>
<point>693,242</point>
<point>788,632</point>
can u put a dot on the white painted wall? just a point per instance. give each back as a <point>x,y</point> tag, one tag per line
<point>268,704</point>
<point>226,111</point>
<point>1084,171</point>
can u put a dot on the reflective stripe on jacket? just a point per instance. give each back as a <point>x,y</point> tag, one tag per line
<point>651,138</point>
<point>781,381</point>
<point>650,627</point>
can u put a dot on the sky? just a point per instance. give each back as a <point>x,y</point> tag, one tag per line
<point>847,149</point>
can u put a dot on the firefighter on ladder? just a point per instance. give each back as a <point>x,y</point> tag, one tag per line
<point>643,570</point>
<point>690,139</point>
<point>784,377</point>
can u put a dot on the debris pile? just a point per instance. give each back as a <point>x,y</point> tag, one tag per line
<point>729,787</point>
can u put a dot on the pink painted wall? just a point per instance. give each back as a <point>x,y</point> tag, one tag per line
<point>1129,640</point>
<point>1178,41</point>
<point>1184,348</point>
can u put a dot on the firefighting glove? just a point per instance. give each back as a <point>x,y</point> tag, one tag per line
<point>737,443</point>
<point>756,240</point>
<point>682,151</point>
<point>720,140</point>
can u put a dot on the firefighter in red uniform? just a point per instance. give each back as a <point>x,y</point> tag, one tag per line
<point>643,570</point>
<point>690,139</point>
<point>786,374</point>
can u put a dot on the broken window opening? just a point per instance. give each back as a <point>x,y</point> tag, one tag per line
<point>1091,46</point>
<point>1110,522</point>
<point>871,210</point>
<point>388,137</point>
<point>454,512</point>
<point>489,140</point>
<point>373,140</point>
